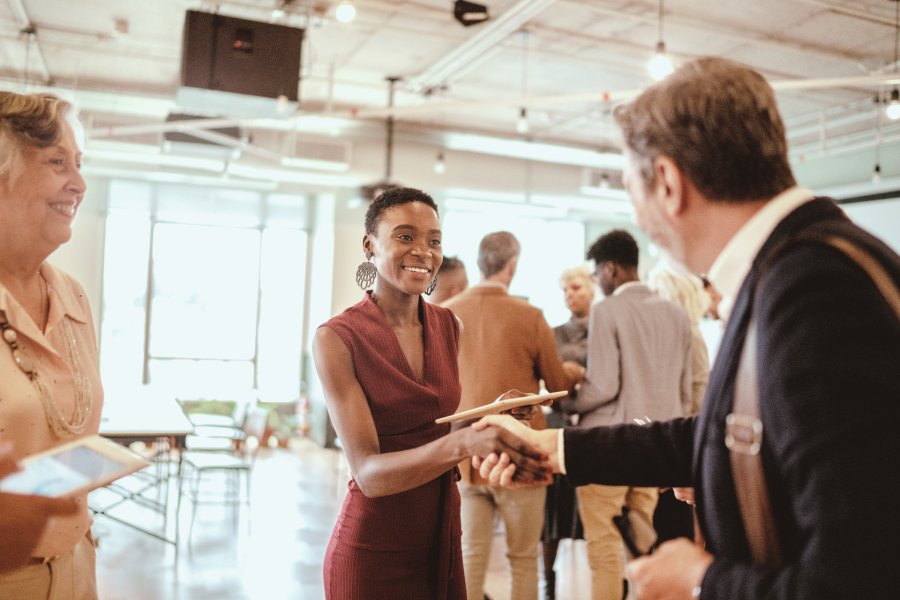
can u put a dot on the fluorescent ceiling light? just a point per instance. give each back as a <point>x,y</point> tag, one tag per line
<point>164,177</point>
<point>511,203</point>
<point>592,205</point>
<point>522,210</point>
<point>253,172</point>
<point>534,151</point>
<point>309,163</point>
<point>162,160</point>
<point>608,193</point>
<point>485,195</point>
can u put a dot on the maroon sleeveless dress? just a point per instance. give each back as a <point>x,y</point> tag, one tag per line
<point>405,545</point>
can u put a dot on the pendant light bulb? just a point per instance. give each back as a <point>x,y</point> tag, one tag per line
<point>345,12</point>
<point>522,123</point>
<point>440,167</point>
<point>660,65</point>
<point>893,109</point>
<point>876,174</point>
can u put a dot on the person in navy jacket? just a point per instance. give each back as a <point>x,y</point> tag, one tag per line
<point>708,174</point>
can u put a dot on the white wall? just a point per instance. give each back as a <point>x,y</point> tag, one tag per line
<point>880,217</point>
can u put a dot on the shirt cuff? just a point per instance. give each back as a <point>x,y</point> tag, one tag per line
<point>561,451</point>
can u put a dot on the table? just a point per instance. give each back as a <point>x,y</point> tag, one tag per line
<point>153,421</point>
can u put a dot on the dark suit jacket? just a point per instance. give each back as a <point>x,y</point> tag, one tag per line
<point>829,362</point>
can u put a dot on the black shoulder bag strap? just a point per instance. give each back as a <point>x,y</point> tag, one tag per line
<point>743,434</point>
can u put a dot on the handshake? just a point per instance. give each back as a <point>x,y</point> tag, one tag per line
<point>509,453</point>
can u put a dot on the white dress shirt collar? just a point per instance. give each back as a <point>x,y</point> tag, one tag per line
<point>731,267</point>
<point>486,283</point>
<point>625,286</point>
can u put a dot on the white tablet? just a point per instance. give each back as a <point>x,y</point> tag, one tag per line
<point>79,466</point>
<point>499,406</point>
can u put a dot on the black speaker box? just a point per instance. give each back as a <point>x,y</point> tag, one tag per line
<point>238,56</point>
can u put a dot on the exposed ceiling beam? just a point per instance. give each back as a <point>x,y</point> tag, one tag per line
<point>852,12</point>
<point>788,84</point>
<point>495,31</point>
<point>591,97</point>
<point>718,30</point>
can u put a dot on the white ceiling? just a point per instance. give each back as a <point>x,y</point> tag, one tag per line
<point>571,47</point>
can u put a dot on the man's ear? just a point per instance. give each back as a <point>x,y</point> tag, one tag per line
<point>612,269</point>
<point>671,186</point>
<point>512,266</point>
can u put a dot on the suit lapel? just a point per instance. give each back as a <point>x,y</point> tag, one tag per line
<point>720,393</point>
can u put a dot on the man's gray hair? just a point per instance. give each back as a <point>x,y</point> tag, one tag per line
<point>495,252</point>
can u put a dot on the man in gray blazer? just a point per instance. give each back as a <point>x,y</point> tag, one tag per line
<point>638,367</point>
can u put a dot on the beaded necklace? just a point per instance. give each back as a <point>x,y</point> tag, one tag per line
<point>55,419</point>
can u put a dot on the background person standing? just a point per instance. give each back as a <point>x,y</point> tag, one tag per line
<point>506,344</point>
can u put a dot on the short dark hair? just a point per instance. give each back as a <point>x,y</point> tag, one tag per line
<point>450,264</point>
<point>394,197</point>
<point>617,246</point>
<point>495,251</point>
<point>718,121</point>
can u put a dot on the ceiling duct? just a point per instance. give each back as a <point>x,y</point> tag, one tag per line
<point>222,143</point>
<point>475,47</point>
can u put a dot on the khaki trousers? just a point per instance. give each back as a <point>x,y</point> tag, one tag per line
<point>598,504</point>
<point>522,511</point>
<point>72,576</point>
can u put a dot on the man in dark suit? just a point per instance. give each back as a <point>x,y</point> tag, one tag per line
<point>709,179</point>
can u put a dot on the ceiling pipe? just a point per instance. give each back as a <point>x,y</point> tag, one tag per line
<point>783,85</point>
<point>488,36</point>
<point>27,27</point>
<point>716,29</point>
<point>592,97</point>
<point>842,145</point>
<point>851,12</point>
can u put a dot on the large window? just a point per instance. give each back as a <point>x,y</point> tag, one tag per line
<point>203,291</point>
<point>548,247</point>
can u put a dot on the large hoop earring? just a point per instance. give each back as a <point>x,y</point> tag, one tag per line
<point>431,286</point>
<point>365,274</point>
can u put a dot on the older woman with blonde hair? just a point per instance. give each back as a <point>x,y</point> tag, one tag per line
<point>561,519</point>
<point>50,390</point>
<point>687,291</point>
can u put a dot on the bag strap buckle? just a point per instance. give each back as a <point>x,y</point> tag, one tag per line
<point>743,434</point>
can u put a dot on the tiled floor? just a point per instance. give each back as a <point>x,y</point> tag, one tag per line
<point>271,551</point>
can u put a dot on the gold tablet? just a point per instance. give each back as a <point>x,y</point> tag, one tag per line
<point>501,405</point>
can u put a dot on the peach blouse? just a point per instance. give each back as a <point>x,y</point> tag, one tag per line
<point>22,418</point>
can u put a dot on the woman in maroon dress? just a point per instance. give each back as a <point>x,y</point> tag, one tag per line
<point>388,366</point>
